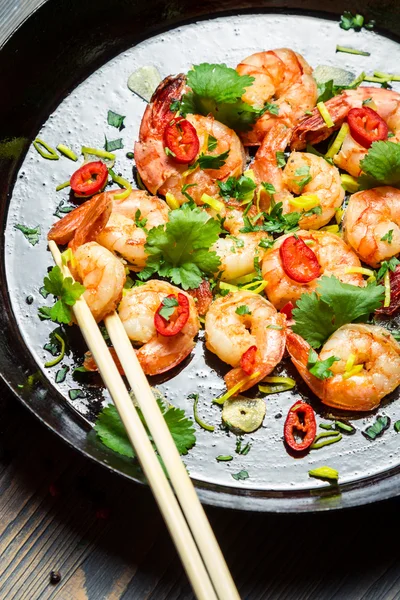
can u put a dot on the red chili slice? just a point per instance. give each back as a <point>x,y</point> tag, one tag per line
<point>366,126</point>
<point>287,310</point>
<point>298,260</point>
<point>248,360</point>
<point>181,138</point>
<point>178,319</point>
<point>301,421</point>
<point>89,179</point>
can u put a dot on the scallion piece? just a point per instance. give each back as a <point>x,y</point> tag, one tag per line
<point>98,152</point>
<point>324,473</point>
<point>323,111</point>
<point>63,185</point>
<point>199,421</point>
<point>224,458</point>
<point>276,385</point>
<point>349,183</point>
<point>325,434</point>
<point>352,51</point>
<point>386,76</point>
<point>67,152</point>
<point>345,427</point>
<point>227,286</point>
<point>386,281</point>
<point>373,79</point>
<point>339,139</point>
<point>330,228</point>
<point>217,205</point>
<point>121,182</point>
<point>235,388</point>
<point>57,359</point>
<point>368,272</point>
<point>244,279</point>
<point>51,154</point>
<point>171,201</point>
<point>256,286</point>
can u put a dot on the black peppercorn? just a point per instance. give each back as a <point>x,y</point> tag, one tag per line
<point>55,577</point>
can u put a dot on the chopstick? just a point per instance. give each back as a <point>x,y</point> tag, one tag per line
<point>218,582</point>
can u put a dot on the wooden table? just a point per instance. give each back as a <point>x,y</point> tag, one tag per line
<point>59,511</point>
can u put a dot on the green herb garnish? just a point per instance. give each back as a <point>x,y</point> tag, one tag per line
<point>240,476</point>
<point>168,308</point>
<point>243,309</point>
<point>32,234</point>
<point>377,429</point>
<point>320,368</point>
<point>115,120</point>
<point>66,290</point>
<point>111,145</point>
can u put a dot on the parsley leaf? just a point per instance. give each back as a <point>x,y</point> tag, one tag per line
<point>210,161</point>
<point>243,309</point>
<point>112,433</point>
<point>241,475</point>
<point>179,250</point>
<point>138,221</point>
<point>32,234</point>
<point>212,143</point>
<point>271,108</point>
<point>376,429</point>
<point>318,315</point>
<point>280,159</point>
<point>304,180</point>
<point>217,89</point>
<point>388,237</point>
<point>381,165</point>
<point>66,290</point>
<point>320,368</point>
<point>241,188</point>
<point>112,145</point>
<point>387,265</point>
<point>115,120</point>
<point>168,307</point>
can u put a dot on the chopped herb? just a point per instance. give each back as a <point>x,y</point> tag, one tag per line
<point>266,243</point>
<point>245,450</point>
<point>280,159</point>
<point>275,327</point>
<point>388,237</point>
<point>212,143</point>
<point>175,106</point>
<point>241,188</point>
<point>377,429</point>
<point>224,458</point>
<point>240,476</point>
<point>397,426</point>
<point>320,368</point>
<point>76,393</point>
<point>168,309</point>
<point>32,234</point>
<point>81,369</point>
<point>43,292</point>
<point>66,290</point>
<point>45,150</point>
<point>115,120</point>
<point>381,165</point>
<point>271,108</point>
<point>111,145</point>
<point>268,187</point>
<point>62,209</point>
<point>306,179</point>
<point>211,161</point>
<point>356,22</point>
<point>61,374</point>
<point>138,221</point>
<point>186,193</point>
<point>274,221</point>
<point>387,265</point>
<point>62,186</point>
<point>129,283</point>
<point>169,152</point>
<point>325,473</point>
<point>58,359</point>
<point>243,309</point>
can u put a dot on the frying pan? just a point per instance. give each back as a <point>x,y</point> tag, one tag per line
<point>44,60</point>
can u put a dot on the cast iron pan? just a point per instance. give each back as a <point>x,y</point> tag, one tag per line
<point>41,66</point>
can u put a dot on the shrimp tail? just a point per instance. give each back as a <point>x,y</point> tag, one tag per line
<point>158,112</point>
<point>169,352</point>
<point>299,349</point>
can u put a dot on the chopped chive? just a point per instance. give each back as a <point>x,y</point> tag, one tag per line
<point>333,435</point>
<point>345,426</point>
<point>352,51</point>
<point>55,361</point>
<point>224,458</point>
<point>51,154</point>
<point>67,152</point>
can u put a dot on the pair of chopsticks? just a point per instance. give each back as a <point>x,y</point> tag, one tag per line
<point>183,514</point>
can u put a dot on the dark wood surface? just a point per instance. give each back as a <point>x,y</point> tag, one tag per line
<point>59,511</point>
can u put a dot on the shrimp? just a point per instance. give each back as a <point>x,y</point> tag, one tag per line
<point>281,77</point>
<point>229,335</point>
<point>103,276</point>
<point>303,174</point>
<point>371,346</point>
<point>124,235</point>
<point>372,224</point>
<point>313,129</point>
<point>159,172</point>
<point>334,258</point>
<point>237,253</point>
<point>157,353</point>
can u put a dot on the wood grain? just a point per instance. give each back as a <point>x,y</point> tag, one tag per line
<point>58,511</point>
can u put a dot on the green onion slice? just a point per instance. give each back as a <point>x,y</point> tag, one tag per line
<point>224,458</point>
<point>67,152</point>
<point>324,473</point>
<point>352,51</point>
<point>48,151</point>
<point>278,384</point>
<point>325,114</point>
<point>123,183</point>
<point>337,144</point>
<point>63,185</point>
<point>198,420</point>
<point>57,359</point>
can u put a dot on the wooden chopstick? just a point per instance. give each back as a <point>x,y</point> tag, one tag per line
<point>202,533</point>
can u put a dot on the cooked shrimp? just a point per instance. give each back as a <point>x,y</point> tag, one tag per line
<point>159,172</point>
<point>371,346</point>
<point>229,335</point>
<point>313,129</point>
<point>103,276</point>
<point>158,353</point>
<point>372,224</point>
<point>304,174</point>
<point>237,253</point>
<point>281,77</point>
<point>334,258</point>
<point>123,235</point>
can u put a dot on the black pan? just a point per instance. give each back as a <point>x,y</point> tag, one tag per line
<point>44,61</point>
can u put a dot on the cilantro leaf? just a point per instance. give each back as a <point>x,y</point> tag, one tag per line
<point>387,265</point>
<point>243,309</point>
<point>212,143</point>
<point>179,250</point>
<point>381,165</point>
<point>269,188</point>
<point>388,237</point>
<point>325,90</point>
<point>280,159</point>
<point>241,188</point>
<point>320,368</point>
<point>320,314</point>
<point>32,234</point>
<point>378,428</point>
<point>217,89</point>
<point>168,307</point>
<point>304,180</point>
<point>271,108</point>
<point>138,221</point>
<point>66,290</point>
<point>211,161</point>
<point>241,475</point>
<point>111,145</point>
<point>112,432</point>
<point>356,22</point>
<point>115,120</point>
<point>175,106</point>
<point>274,222</point>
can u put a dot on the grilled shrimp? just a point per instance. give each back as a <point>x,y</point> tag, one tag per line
<point>103,276</point>
<point>334,258</point>
<point>157,353</point>
<point>369,346</point>
<point>237,253</point>
<point>304,174</point>
<point>230,335</point>
<point>372,224</point>
<point>281,77</point>
<point>313,129</point>
<point>159,172</point>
